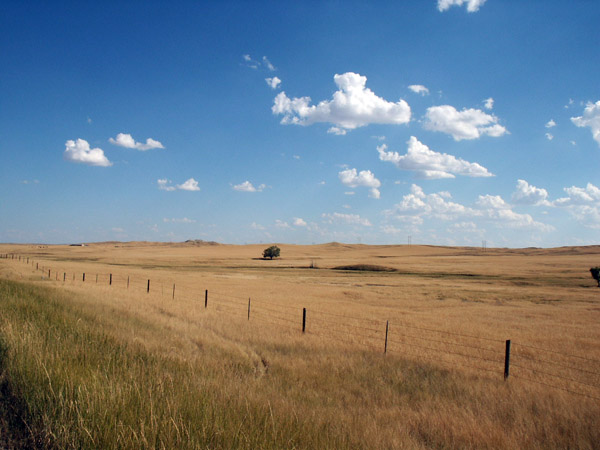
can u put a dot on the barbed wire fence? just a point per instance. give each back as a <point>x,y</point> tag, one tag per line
<point>575,374</point>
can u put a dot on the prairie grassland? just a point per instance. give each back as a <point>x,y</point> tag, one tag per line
<point>99,365</point>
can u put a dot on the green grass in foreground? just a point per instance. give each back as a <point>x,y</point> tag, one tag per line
<point>78,387</point>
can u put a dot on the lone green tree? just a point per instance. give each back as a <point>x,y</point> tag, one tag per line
<point>272,252</point>
<point>596,274</point>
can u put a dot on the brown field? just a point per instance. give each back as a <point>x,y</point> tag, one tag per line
<point>450,311</point>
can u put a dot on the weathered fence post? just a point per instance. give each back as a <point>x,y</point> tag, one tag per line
<point>387,327</point>
<point>127,281</point>
<point>248,308</point>
<point>206,298</point>
<point>48,273</point>
<point>84,277</point>
<point>64,276</point>
<point>173,291</point>
<point>303,320</point>
<point>110,280</point>
<point>148,288</point>
<point>37,266</point>
<point>507,359</point>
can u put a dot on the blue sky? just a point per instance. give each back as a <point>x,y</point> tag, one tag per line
<point>449,121</point>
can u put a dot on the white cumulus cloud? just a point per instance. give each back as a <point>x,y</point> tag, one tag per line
<point>189,185</point>
<point>583,203</point>
<point>80,152</point>
<point>273,82</point>
<point>299,222</point>
<point>495,209</point>
<point>590,118</point>
<point>419,89</point>
<point>466,124</point>
<point>351,219</point>
<point>551,123</point>
<point>364,178</point>
<point>417,206</point>
<point>246,186</point>
<point>488,103</point>
<point>127,141</point>
<point>430,164</point>
<point>353,105</point>
<point>472,5</point>
<point>526,194</point>
<point>549,136</point>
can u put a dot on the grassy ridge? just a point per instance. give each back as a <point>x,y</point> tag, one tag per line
<point>81,388</point>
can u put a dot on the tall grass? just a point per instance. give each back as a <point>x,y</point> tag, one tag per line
<point>82,388</point>
<point>97,370</point>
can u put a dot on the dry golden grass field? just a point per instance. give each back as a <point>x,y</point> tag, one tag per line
<point>240,373</point>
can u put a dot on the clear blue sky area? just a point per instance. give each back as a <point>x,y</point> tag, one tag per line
<point>451,122</point>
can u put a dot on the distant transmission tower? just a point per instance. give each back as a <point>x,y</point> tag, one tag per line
<point>484,245</point>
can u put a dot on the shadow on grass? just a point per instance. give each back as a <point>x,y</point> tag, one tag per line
<point>14,431</point>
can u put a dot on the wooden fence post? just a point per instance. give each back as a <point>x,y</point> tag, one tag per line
<point>387,327</point>
<point>48,273</point>
<point>507,360</point>
<point>127,281</point>
<point>110,280</point>
<point>64,276</point>
<point>148,288</point>
<point>205,298</point>
<point>248,308</point>
<point>173,291</point>
<point>84,277</point>
<point>303,320</point>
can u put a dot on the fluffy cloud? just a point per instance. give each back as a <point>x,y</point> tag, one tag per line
<point>273,82</point>
<point>125,140</point>
<point>494,208</point>
<point>589,195</point>
<point>430,164</point>
<point>80,152</point>
<point>466,124</point>
<point>549,136</point>
<point>365,178</point>
<point>282,224</point>
<point>526,194</point>
<point>590,118</point>
<point>353,105</point>
<point>488,103</point>
<point>419,204</point>
<point>419,89</point>
<point>246,186</point>
<point>188,185</point>
<point>351,219</point>
<point>583,204</point>
<point>551,123</point>
<point>298,222</point>
<point>439,206</point>
<point>472,5</point>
